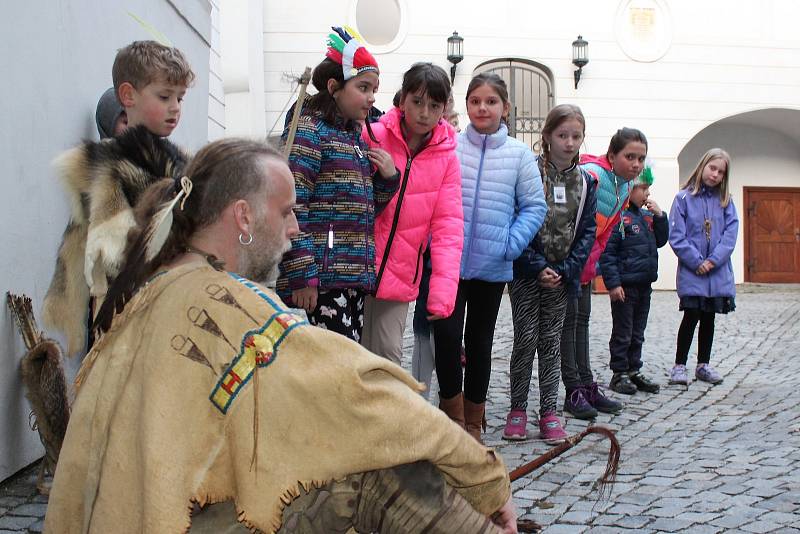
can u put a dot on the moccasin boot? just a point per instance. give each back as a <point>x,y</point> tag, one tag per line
<point>473,418</point>
<point>454,408</point>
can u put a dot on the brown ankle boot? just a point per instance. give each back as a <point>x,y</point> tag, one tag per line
<point>454,408</point>
<point>474,418</point>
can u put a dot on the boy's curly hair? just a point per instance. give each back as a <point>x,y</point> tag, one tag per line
<point>143,62</point>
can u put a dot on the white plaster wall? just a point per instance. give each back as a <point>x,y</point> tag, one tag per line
<point>56,62</point>
<point>725,58</point>
<point>243,54</point>
<point>216,93</point>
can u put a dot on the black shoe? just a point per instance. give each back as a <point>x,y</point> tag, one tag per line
<point>621,383</point>
<point>643,383</point>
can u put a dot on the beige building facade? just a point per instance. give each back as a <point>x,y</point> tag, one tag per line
<point>691,75</point>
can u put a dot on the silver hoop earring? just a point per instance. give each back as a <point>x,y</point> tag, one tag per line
<point>249,239</point>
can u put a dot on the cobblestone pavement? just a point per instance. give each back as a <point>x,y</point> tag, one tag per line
<point>702,459</point>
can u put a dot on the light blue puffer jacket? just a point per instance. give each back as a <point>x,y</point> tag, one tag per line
<point>504,204</point>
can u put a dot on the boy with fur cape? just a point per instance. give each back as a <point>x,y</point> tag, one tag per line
<point>104,181</point>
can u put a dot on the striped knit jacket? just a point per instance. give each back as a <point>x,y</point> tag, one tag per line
<point>338,198</point>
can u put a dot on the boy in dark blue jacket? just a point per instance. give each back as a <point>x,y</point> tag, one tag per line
<point>629,265</point>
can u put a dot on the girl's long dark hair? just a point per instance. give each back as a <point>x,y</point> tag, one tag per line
<point>323,102</point>
<point>622,137</point>
<point>494,81</point>
<point>432,79</point>
<point>221,173</point>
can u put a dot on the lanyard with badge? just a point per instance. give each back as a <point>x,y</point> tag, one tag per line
<point>706,219</point>
<point>560,194</point>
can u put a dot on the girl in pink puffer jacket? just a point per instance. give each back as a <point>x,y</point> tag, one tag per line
<point>427,205</point>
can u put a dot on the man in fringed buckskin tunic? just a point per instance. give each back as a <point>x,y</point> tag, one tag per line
<point>207,406</point>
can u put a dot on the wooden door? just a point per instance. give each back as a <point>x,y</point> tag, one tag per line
<point>772,234</point>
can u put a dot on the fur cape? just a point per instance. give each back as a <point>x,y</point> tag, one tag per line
<point>103,180</point>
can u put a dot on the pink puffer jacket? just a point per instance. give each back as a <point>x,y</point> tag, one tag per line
<point>428,203</point>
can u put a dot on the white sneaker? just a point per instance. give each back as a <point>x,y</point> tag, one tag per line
<point>679,375</point>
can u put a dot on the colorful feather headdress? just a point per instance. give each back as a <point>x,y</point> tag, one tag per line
<point>345,47</point>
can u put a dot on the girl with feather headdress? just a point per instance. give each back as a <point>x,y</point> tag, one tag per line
<point>341,185</point>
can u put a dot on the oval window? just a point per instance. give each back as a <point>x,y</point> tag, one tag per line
<point>380,22</point>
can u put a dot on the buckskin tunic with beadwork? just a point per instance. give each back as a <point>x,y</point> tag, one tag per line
<point>207,389</point>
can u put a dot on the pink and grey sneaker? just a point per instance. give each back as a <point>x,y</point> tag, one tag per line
<point>516,423</point>
<point>551,430</point>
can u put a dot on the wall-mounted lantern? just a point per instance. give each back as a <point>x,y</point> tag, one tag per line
<point>455,53</point>
<point>580,56</point>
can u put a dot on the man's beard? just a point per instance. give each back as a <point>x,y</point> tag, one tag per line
<point>259,261</point>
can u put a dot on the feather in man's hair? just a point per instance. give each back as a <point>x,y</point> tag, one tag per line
<point>139,265</point>
<point>159,227</point>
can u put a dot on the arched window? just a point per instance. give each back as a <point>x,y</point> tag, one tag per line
<point>530,90</point>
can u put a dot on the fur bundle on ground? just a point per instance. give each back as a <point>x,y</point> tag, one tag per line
<point>104,181</point>
<point>46,390</point>
<point>45,385</point>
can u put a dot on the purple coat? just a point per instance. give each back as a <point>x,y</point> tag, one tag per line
<point>687,237</point>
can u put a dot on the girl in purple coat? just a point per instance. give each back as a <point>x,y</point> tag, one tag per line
<point>704,226</point>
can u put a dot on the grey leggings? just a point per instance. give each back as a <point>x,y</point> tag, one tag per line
<point>423,361</point>
<point>576,370</point>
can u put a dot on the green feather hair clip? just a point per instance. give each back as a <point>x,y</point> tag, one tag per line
<point>645,178</point>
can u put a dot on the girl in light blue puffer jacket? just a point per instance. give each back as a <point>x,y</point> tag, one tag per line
<point>504,207</point>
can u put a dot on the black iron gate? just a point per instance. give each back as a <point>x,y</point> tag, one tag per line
<point>530,89</point>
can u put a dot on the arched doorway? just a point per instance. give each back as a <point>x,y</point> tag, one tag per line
<point>765,185</point>
<point>530,90</point>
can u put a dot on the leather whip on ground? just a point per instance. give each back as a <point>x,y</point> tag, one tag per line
<point>608,476</point>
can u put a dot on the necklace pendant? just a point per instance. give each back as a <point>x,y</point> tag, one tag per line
<point>358,151</point>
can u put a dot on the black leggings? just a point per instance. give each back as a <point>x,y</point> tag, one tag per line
<point>686,333</point>
<point>480,301</point>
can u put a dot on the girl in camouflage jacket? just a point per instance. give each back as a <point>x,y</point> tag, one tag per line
<point>548,272</point>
